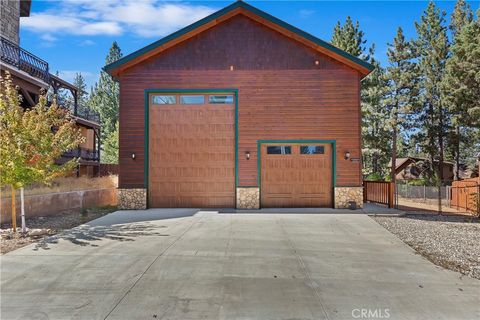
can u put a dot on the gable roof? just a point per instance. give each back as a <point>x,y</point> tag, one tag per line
<point>239,7</point>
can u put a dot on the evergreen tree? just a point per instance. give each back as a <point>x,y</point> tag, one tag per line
<point>104,97</point>
<point>433,48</point>
<point>402,89</point>
<point>349,38</point>
<point>375,137</point>
<point>375,148</point>
<point>110,154</point>
<point>455,69</point>
<point>79,82</point>
<point>461,16</point>
<point>461,88</point>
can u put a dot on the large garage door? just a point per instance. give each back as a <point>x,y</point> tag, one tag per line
<point>191,150</point>
<point>296,175</point>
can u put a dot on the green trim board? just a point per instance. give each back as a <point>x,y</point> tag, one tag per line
<point>238,4</point>
<point>259,154</point>
<point>147,93</point>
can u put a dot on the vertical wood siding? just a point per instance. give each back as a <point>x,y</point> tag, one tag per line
<point>283,94</point>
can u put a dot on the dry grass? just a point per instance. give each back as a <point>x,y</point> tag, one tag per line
<point>68,184</point>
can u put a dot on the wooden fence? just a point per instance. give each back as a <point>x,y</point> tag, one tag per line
<point>465,195</point>
<point>382,192</point>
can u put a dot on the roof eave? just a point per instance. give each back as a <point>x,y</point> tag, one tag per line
<point>363,67</point>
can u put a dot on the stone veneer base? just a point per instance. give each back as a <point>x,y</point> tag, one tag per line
<point>343,195</point>
<point>248,198</point>
<point>132,199</point>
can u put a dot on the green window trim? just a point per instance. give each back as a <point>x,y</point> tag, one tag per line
<point>147,93</point>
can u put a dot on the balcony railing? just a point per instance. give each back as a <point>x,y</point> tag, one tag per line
<point>84,154</point>
<point>12,54</point>
<point>80,110</point>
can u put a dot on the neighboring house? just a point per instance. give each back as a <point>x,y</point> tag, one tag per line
<point>32,75</point>
<point>414,168</point>
<point>239,109</point>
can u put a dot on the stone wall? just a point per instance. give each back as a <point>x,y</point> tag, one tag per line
<point>55,203</point>
<point>10,17</point>
<point>132,199</point>
<point>343,195</point>
<point>248,198</point>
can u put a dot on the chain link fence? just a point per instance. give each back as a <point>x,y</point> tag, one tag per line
<point>421,192</point>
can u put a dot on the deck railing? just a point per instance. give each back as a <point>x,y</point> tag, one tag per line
<point>379,192</point>
<point>14,55</point>
<point>79,110</point>
<point>84,154</point>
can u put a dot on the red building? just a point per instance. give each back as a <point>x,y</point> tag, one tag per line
<point>239,109</point>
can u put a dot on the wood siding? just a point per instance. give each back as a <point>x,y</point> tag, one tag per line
<point>283,94</point>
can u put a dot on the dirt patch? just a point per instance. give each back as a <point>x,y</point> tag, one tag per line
<point>448,241</point>
<point>40,227</point>
<point>427,206</point>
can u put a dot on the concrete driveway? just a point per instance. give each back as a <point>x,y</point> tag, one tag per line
<point>183,265</point>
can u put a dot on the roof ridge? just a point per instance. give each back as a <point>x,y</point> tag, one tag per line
<point>239,4</point>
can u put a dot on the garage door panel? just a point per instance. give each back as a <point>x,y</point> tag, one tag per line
<point>192,155</point>
<point>295,179</point>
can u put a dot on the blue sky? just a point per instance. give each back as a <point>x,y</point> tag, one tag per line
<point>75,35</point>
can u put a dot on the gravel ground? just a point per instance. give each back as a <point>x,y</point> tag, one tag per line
<point>40,227</point>
<point>452,242</point>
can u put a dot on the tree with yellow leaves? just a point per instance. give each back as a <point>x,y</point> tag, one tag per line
<point>31,140</point>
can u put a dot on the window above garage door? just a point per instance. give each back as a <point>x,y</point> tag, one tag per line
<point>192,99</point>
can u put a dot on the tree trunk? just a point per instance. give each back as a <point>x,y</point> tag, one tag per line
<point>375,162</point>
<point>440,161</point>
<point>14,211</point>
<point>393,174</point>
<point>457,153</point>
<point>22,202</point>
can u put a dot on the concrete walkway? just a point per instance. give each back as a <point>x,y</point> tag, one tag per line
<point>230,266</point>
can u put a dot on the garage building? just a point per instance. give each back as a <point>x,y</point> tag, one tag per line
<point>239,109</point>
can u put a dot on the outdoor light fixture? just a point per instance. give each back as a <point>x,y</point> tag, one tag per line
<point>347,155</point>
<point>317,62</point>
<point>247,155</point>
<point>133,155</point>
<point>231,68</point>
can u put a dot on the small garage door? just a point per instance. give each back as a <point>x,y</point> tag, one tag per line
<point>296,175</point>
<point>191,150</point>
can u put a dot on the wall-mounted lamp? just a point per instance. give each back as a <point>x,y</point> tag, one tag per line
<point>347,155</point>
<point>247,155</point>
<point>231,68</point>
<point>133,156</point>
<point>317,62</point>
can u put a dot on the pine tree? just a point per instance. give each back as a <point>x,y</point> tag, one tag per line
<point>402,89</point>
<point>79,82</point>
<point>110,155</point>
<point>433,48</point>
<point>375,149</point>
<point>461,16</point>
<point>375,138</point>
<point>461,87</point>
<point>104,97</point>
<point>349,38</point>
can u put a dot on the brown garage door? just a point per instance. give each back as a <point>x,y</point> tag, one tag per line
<point>191,150</point>
<point>296,175</point>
